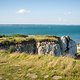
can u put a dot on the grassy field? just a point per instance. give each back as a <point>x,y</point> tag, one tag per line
<point>19,38</point>
<point>22,66</point>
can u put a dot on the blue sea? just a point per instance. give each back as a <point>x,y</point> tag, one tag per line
<point>31,29</point>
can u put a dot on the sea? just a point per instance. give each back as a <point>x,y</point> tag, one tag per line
<point>42,29</point>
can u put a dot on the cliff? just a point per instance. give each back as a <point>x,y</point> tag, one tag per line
<point>53,45</point>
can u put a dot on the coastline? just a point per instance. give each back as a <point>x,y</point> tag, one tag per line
<point>42,29</point>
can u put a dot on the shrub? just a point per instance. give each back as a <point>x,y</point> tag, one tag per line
<point>19,35</point>
<point>11,49</point>
<point>2,36</point>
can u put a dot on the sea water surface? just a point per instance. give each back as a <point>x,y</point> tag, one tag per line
<point>31,29</point>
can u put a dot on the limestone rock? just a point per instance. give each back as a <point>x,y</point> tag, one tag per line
<point>41,50</point>
<point>64,46</point>
<point>57,50</point>
<point>68,46</point>
<point>63,43</point>
<point>49,48</point>
<point>72,48</point>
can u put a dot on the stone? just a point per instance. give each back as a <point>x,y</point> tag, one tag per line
<point>63,43</point>
<point>49,48</point>
<point>46,76</point>
<point>57,50</point>
<point>72,48</point>
<point>56,77</point>
<point>38,44</point>
<point>63,46</point>
<point>1,78</point>
<point>41,50</point>
<point>32,75</point>
<point>68,46</point>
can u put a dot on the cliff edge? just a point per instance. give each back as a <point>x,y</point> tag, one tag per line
<point>53,45</point>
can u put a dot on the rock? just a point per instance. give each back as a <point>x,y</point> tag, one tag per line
<point>1,78</point>
<point>63,46</point>
<point>57,50</point>
<point>38,44</point>
<point>63,43</point>
<point>7,79</point>
<point>41,50</point>
<point>49,48</point>
<point>46,76</point>
<point>68,46</point>
<point>32,75</point>
<point>56,77</point>
<point>72,48</point>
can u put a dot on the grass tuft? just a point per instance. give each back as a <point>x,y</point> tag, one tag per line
<point>21,66</point>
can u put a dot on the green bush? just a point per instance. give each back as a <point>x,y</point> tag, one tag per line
<point>11,49</point>
<point>2,36</point>
<point>19,35</point>
<point>5,42</point>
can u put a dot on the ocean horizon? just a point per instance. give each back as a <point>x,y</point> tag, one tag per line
<point>42,29</point>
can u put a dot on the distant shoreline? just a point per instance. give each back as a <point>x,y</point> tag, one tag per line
<point>42,24</point>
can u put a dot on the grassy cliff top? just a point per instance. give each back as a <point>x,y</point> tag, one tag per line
<point>20,38</point>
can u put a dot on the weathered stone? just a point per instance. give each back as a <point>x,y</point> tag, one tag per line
<point>56,77</point>
<point>68,46</point>
<point>57,50</point>
<point>41,50</point>
<point>72,48</point>
<point>38,44</point>
<point>49,48</point>
<point>64,46</point>
<point>63,43</point>
<point>32,75</point>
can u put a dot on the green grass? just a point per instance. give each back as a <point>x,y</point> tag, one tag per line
<point>22,66</point>
<point>20,38</point>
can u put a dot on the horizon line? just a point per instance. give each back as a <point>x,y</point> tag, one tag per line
<point>36,24</point>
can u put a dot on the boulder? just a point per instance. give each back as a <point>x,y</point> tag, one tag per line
<point>63,44</point>
<point>68,46</point>
<point>49,48</point>
<point>41,50</point>
<point>72,48</point>
<point>57,50</point>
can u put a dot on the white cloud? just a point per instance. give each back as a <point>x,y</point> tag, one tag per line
<point>22,11</point>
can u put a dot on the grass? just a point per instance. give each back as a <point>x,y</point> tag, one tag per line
<point>20,38</point>
<point>22,66</point>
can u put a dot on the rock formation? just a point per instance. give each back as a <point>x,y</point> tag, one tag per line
<point>64,46</point>
<point>49,48</point>
<point>68,46</point>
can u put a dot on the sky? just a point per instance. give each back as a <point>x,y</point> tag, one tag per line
<point>40,12</point>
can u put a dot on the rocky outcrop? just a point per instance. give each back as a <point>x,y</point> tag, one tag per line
<point>49,48</point>
<point>64,46</point>
<point>68,46</point>
<point>28,47</point>
<point>72,48</point>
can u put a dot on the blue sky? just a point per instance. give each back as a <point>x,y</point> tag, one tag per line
<point>40,12</point>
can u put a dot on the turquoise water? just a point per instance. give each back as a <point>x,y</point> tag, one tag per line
<point>58,30</point>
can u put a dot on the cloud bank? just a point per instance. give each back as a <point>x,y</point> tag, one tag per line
<point>23,11</point>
